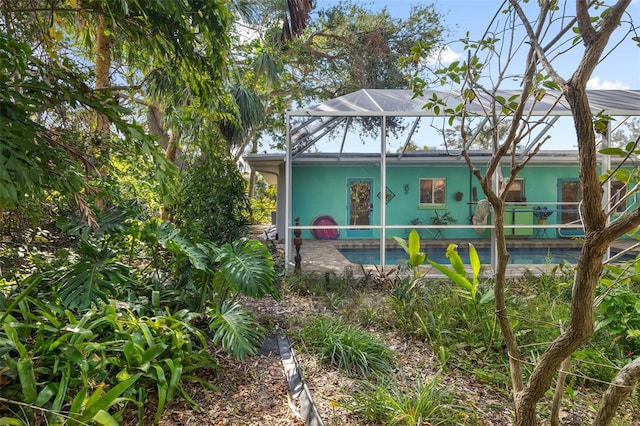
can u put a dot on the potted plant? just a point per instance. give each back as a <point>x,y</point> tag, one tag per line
<point>443,219</point>
<point>542,213</point>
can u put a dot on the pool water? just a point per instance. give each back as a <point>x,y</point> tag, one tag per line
<point>518,255</point>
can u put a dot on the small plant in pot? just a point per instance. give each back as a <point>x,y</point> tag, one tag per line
<point>443,218</point>
<point>542,213</point>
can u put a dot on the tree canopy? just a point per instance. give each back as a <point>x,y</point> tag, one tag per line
<point>66,62</point>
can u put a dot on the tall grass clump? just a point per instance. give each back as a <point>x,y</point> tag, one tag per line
<point>422,403</point>
<point>348,348</point>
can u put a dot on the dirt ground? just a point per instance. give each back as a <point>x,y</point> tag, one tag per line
<point>255,391</point>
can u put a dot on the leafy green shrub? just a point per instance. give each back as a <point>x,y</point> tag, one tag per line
<point>409,302</point>
<point>619,314</point>
<point>212,202</point>
<point>209,278</point>
<point>95,275</point>
<point>89,368</point>
<point>348,348</point>
<point>114,329</point>
<point>263,203</point>
<point>261,210</point>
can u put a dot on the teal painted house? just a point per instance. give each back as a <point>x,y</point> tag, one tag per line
<point>433,192</point>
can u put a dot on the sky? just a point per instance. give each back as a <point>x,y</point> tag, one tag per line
<point>621,70</point>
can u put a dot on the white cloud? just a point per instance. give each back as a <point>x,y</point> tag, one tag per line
<point>596,84</point>
<point>443,56</point>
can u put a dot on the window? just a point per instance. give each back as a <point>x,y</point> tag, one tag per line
<point>515,193</point>
<point>433,192</point>
<point>618,191</point>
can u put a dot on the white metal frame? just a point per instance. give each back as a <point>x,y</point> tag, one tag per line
<point>611,102</point>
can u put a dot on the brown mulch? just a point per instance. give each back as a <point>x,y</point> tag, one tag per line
<point>250,392</point>
<point>255,391</point>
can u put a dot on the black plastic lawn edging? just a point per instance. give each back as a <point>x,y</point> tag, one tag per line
<point>297,387</point>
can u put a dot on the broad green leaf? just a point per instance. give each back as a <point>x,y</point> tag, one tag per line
<point>247,267</point>
<point>123,375</point>
<point>236,330</point>
<point>452,275</point>
<point>12,334</point>
<point>8,421</point>
<point>27,380</point>
<point>474,260</point>
<point>146,332</point>
<point>487,297</point>
<point>132,353</point>
<point>163,389</point>
<point>412,247</point>
<point>613,151</point>
<point>46,394</point>
<point>105,419</point>
<point>62,391</point>
<point>417,259</point>
<point>454,258</point>
<point>402,243</point>
<point>414,243</point>
<point>59,341</point>
<point>78,403</point>
<point>175,366</point>
<point>105,401</point>
<point>153,352</point>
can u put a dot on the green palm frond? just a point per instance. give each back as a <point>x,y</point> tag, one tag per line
<point>236,329</point>
<point>247,267</point>
<point>266,65</point>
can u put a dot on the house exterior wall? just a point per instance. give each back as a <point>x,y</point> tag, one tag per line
<point>323,189</point>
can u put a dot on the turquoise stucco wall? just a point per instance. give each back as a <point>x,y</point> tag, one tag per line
<point>323,189</point>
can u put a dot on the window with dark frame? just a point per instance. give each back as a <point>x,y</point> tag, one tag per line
<point>433,191</point>
<point>515,193</point>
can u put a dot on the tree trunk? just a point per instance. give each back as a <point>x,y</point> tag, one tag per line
<point>557,395</point>
<point>618,390</point>
<point>588,269</point>
<point>173,152</point>
<point>252,175</point>
<point>103,80</point>
<point>500,300</point>
<point>154,123</point>
<point>252,184</point>
<point>598,235</point>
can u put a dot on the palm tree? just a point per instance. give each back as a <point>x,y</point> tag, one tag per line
<point>296,20</point>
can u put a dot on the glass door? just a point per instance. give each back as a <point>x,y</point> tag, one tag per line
<point>569,196</point>
<point>360,208</point>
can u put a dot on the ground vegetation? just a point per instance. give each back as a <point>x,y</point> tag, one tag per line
<point>587,29</point>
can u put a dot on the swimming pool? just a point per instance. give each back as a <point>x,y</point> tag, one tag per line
<point>519,255</point>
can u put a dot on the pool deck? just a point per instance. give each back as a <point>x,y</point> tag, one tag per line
<point>324,255</point>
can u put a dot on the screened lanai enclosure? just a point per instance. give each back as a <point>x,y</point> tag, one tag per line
<point>376,164</point>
